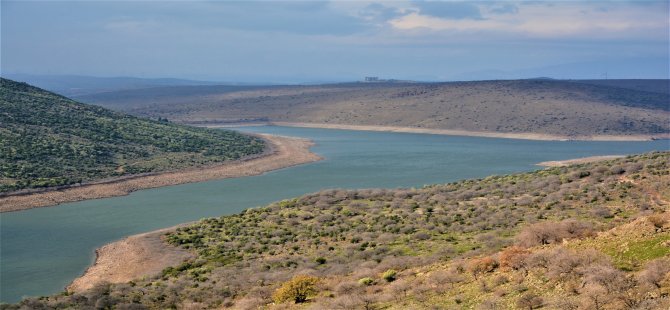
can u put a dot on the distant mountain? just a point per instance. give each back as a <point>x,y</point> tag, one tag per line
<point>545,106</point>
<point>49,140</point>
<point>76,85</point>
<point>654,86</point>
<point>631,68</point>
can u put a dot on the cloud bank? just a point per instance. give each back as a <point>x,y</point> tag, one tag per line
<point>312,41</point>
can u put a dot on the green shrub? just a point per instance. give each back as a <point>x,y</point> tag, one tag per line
<point>389,275</point>
<point>366,281</point>
<point>296,289</point>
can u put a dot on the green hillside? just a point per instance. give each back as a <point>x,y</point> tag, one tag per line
<point>437,247</point>
<point>49,140</point>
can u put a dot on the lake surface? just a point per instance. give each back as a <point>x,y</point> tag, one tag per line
<point>42,250</point>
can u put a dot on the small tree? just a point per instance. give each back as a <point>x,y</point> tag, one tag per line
<point>296,289</point>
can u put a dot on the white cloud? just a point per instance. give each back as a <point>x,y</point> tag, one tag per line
<point>559,20</point>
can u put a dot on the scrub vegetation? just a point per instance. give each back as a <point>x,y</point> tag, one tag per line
<point>47,140</point>
<point>591,236</point>
<point>554,107</point>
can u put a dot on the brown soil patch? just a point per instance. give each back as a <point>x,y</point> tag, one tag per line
<point>134,257</point>
<point>583,160</point>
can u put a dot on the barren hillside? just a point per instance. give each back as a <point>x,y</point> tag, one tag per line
<point>565,108</point>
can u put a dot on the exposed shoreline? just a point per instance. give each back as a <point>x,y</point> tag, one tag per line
<point>284,152</point>
<point>583,160</point>
<point>131,258</point>
<point>451,132</point>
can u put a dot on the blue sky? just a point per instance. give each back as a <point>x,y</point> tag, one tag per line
<point>320,41</point>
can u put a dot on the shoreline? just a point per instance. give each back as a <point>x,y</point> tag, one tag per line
<point>575,161</point>
<point>450,132</point>
<point>284,152</point>
<point>133,257</point>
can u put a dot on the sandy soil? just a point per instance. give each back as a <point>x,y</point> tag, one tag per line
<point>285,152</point>
<point>526,136</point>
<point>134,257</point>
<point>583,160</point>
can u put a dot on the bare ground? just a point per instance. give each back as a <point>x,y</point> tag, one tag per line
<point>470,133</point>
<point>286,152</point>
<point>134,257</point>
<point>583,160</point>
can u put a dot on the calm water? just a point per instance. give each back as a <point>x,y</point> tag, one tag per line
<point>42,250</point>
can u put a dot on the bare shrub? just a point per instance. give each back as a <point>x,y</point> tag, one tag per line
<point>479,266</point>
<point>656,273</point>
<point>611,279</point>
<point>565,304</point>
<point>489,304</point>
<point>658,220</point>
<point>594,297</point>
<point>513,257</point>
<point>484,286</point>
<point>400,288</point>
<point>529,301</point>
<point>564,264</point>
<point>500,292</point>
<point>421,236</point>
<point>540,234</point>
<point>441,279</point>
<point>553,232</point>
<point>346,288</point>
<point>250,303</point>
<point>602,212</point>
<point>500,280</point>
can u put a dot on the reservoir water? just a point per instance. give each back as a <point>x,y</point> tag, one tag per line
<point>42,250</point>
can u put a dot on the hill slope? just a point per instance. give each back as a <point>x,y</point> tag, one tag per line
<point>552,107</point>
<point>49,140</point>
<point>405,249</point>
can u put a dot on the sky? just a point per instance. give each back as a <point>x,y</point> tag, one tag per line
<point>330,41</point>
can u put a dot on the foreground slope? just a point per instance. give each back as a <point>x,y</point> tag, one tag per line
<point>559,108</point>
<point>48,140</point>
<point>414,248</point>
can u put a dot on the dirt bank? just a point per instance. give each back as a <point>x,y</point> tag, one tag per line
<point>134,257</point>
<point>526,136</point>
<point>583,160</point>
<point>285,152</point>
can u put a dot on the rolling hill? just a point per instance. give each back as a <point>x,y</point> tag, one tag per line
<point>47,140</point>
<point>591,236</point>
<point>564,108</point>
<point>78,85</point>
